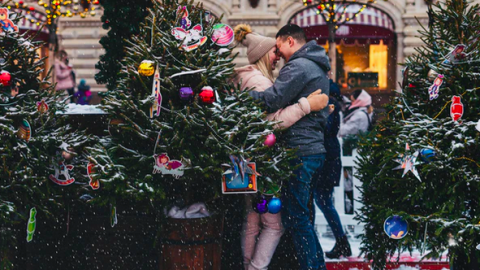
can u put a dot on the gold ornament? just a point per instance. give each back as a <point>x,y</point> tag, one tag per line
<point>68,155</point>
<point>432,75</point>
<point>146,68</point>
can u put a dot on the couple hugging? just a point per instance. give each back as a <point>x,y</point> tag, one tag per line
<point>298,98</point>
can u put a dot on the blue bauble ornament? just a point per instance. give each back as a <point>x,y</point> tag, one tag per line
<point>275,205</point>
<point>261,205</point>
<point>395,227</point>
<point>427,155</point>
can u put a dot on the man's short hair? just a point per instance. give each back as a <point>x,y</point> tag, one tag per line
<point>294,31</point>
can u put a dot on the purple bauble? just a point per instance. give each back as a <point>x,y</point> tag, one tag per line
<point>261,205</point>
<point>186,93</point>
<point>270,140</point>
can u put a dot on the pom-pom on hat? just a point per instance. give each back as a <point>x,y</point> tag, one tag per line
<point>257,45</point>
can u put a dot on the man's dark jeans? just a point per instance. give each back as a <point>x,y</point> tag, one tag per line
<point>296,214</point>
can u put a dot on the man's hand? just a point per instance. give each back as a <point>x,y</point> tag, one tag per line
<point>317,101</point>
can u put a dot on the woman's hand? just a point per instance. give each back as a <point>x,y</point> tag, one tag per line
<point>317,101</point>
<point>331,108</point>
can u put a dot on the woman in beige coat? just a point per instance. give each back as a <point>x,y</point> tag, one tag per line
<point>261,55</point>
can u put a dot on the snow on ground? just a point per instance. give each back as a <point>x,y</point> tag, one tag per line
<point>328,243</point>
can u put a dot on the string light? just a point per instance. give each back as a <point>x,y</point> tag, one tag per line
<point>56,8</point>
<point>329,8</point>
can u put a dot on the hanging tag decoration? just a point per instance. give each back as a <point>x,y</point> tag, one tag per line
<point>185,21</point>
<point>408,162</point>
<point>113,217</point>
<point>192,39</point>
<point>456,109</point>
<point>456,55</point>
<point>62,170</point>
<point>404,82</point>
<point>94,184</point>
<point>32,224</point>
<point>395,227</point>
<point>240,176</point>
<point>157,103</point>
<point>434,89</point>
<point>42,106</point>
<point>25,131</point>
<point>6,24</point>
<point>222,35</point>
<point>208,16</point>
<point>164,165</point>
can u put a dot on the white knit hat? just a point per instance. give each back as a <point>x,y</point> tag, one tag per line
<point>257,45</point>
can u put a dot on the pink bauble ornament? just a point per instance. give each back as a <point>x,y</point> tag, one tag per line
<point>270,140</point>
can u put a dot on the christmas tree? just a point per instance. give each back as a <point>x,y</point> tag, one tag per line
<point>40,154</point>
<point>426,152</point>
<point>122,18</point>
<point>177,126</point>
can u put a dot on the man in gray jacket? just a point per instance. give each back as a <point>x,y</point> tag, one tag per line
<point>305,71</point>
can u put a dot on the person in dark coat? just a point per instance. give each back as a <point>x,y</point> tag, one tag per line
<point>305,71</point>
<point>328,177</point>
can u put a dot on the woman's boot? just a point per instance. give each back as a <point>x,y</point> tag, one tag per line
<point>341,248</point>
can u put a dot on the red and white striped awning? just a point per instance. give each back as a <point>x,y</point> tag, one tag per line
<point>32,20</point>
<point>369,16</point>
<point>371,26</point>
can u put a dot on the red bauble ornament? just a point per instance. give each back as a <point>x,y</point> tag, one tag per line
<point>270,140</point>
<point>5,78</point>
<point>206,95</point>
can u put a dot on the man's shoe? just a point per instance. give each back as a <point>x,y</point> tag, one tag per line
<point>341,248</point>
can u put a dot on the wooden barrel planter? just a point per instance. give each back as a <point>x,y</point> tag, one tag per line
<point>191,244</point>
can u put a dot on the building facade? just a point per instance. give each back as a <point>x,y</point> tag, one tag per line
<point>368,49</point>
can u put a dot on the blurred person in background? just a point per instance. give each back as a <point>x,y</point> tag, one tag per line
<point>64,75</point>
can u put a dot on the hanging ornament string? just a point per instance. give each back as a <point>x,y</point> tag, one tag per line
<point>469,159</point>
<point>424,239</point>
<point>446,104</point>
<point>156,143</point>
<point>153,30</point>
